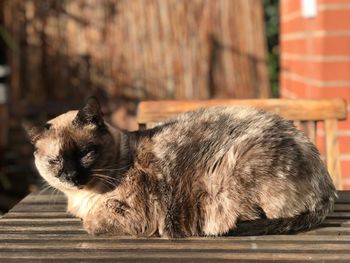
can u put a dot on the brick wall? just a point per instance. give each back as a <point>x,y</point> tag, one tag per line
<point>315,60</point>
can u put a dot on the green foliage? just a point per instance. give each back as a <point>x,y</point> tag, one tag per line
<point>272,29</point>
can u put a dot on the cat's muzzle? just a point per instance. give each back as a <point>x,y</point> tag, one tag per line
<point>69,177</point>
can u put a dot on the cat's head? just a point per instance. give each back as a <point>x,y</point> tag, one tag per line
<point>74,150</point>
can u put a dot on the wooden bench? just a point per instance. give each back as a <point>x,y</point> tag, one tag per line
<point>38,229</point>
<point>306,114</point>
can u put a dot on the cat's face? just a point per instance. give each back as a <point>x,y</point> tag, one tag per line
<point>74,149</point>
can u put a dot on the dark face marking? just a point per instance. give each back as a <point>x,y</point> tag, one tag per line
<point>76,159</point>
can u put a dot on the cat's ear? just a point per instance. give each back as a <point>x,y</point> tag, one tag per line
<point>90,114</point>
<point>34,132</point>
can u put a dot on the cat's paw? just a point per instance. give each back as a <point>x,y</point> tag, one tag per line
<point>93,227</point>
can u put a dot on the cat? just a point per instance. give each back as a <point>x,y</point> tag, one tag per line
<point>208,172</point>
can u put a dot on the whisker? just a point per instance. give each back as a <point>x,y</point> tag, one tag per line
<point>107,184</point>
<point>55,195</point>
<point>108,170</point>
<point>111,182</point>
<point>47,187</point>
<point>103,175</point>
<point>111,168</point>
<point>106,179</point>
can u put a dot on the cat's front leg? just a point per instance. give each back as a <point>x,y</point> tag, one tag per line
<point>100,223</point>
<point>94,227</point>
<point>109,218</point>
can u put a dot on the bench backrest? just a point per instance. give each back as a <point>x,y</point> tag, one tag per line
<point>304,113</point>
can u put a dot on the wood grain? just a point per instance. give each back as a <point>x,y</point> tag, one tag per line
<point>332,149</point>
<point>310,130</point>
<point>55,236</point>
<point>298,110</point>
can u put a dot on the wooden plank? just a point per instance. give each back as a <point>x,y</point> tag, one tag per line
<point>180,246</point>
<point>76,229</point>
<point>328,231</point>
<point>310,130</point>
<point>52,236</point>
<point>332,149</point>
<point>77,222</point>
<point>58,222</point>
<point>146,256</point>
<point>25,215</point>
<point>297,124</point>
<point>341,207</point>
<point>343,197</point>
<point>45,198</point>
<point>83,237</point>
<point>39,208</point>
<point>313,110</point>
<point>63,230</point>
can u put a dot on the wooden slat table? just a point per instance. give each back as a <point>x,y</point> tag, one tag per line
<point>39,230</point>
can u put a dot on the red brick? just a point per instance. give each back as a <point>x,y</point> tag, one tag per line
<point>344,125</point>
<point>289,6</point>
<point>326,20</point>
<point>298,24</point>
<point>345,168</point>
<point>344,143</point>
<point>331,92</point>
<point>335,19</point>
<point>321,145</point>
<point>334,70</point>
<point>304,90</point>
<point>332,2</point>
<point>319,70</point>
<point>325,45</point>
<point>299,89</point>
<point>304,69</point>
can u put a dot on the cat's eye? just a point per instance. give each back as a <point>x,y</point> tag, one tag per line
<point>47,126</point>
<point>54,161</point>
<point>88,151</point>
<point>88,155</point>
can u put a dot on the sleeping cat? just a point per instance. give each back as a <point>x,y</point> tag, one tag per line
<point>205,172</point>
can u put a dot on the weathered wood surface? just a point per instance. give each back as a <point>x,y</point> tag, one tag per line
<point>39,230</point>
<point>332,147</point>
<point>298,110</point>
<point>305,113</point>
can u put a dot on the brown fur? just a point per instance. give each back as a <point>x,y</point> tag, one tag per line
<point>202,173</point>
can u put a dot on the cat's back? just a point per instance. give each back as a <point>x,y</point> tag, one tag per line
<point>250,144</point>
<point>195,140</point>
<point>218,128</point>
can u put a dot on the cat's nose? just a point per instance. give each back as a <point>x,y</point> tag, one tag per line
<point>69,176</point>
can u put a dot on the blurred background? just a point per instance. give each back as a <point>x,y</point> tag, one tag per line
<point>56,53</point>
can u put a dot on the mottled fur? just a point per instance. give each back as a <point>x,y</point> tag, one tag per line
<point>201,173</point>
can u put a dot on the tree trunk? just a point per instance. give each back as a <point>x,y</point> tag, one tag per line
<point>146,49</point>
